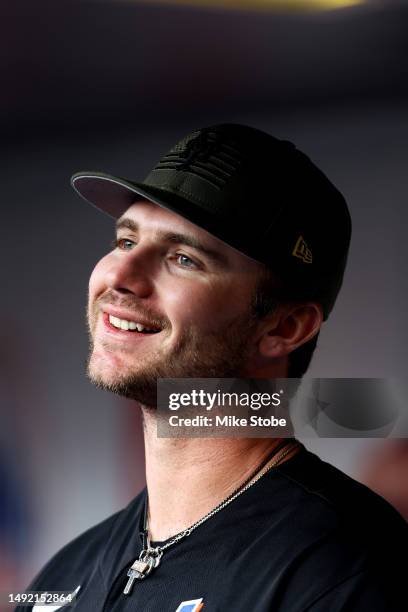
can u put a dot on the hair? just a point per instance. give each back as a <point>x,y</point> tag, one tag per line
<point>270,292</point>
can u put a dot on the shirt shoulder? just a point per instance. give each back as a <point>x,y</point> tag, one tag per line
<point>344,538</point>
<point>332,493</point>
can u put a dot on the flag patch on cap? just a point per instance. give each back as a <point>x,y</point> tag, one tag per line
<point>194,605</point>
<point>302,251</point>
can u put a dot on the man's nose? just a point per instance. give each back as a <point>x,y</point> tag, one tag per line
<point>132,272</point>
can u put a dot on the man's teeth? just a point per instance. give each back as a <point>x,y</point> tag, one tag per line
<point>126,325</point>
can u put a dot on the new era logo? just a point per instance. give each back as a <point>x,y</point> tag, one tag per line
<point>194,605</point>
<point>302,251</point>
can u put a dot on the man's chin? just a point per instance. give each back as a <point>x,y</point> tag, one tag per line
<point>130,385</point>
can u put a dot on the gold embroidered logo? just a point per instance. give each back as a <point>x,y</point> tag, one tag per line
<point>302,251</point>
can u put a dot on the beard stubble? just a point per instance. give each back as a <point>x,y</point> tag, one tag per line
<point>220,354</point>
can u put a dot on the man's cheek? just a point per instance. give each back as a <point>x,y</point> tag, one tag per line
<point>188,309</point>
<point>208,310</point>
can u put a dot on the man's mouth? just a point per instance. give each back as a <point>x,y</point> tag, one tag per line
<point>132,326</point>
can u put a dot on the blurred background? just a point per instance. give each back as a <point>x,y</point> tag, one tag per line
<point>111,85</point>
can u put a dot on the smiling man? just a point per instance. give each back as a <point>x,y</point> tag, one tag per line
<point>171,318</point>
<point>188,312</point>
<point>227,260</point>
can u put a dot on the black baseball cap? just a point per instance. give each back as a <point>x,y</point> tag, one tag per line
<point>255,192</point>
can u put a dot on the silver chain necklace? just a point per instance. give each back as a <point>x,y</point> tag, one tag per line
<point>150,558</point>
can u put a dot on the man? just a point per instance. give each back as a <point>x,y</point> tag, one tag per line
<point>228,258</point>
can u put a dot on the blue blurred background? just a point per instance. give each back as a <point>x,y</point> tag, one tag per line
<point>111,85</point>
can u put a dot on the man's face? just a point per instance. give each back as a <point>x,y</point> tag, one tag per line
<point>191,291</point>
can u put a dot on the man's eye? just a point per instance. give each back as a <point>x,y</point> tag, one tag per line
<point>123,243</point>
<point>185,261</point>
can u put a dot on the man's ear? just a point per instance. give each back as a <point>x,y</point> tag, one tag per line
<point>292,326</point>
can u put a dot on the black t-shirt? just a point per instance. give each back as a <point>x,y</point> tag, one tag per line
<point>305,537</point>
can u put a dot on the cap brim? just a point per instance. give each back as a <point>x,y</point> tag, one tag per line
<point>111,194</point>
<point>114,195</point>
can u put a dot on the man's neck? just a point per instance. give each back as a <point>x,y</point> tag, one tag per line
<point>186,478</point>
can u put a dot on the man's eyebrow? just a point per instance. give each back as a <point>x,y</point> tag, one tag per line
<point>128,223</point>
<point>177,238</point>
